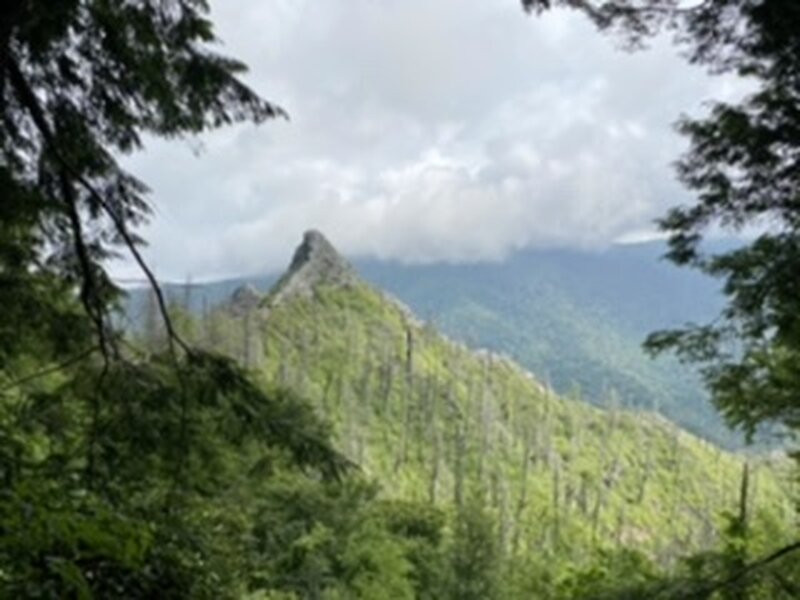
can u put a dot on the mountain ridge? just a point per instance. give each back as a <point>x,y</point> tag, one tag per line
<point>315,262</point>
<point>435,421</point>
<point>576,319</point>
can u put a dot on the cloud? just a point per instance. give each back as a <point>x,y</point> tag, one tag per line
<point>422,130</point>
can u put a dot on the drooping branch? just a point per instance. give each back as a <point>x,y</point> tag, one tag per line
<point>636,19</point>
<point>749,569</point>
<point>89,292</point>
<point>73,360</point>
<point>130,243</point>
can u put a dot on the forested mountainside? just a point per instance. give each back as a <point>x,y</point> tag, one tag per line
<point>316,440</point>
<point>434,422</point>
<point>575,318</point>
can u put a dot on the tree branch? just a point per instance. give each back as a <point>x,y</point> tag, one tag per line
<point>709,589</point>
<point>89,294</point>
<point>50,370</point>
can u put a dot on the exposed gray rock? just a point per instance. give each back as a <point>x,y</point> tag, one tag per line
<point>316,262</point>
<point>244,300</point>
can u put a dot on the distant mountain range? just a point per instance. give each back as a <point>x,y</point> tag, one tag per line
<point>574,318</point>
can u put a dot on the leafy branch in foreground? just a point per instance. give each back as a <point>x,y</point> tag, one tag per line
<point>117,473</point>
<point>131,488</point>
<point>83,81</point>
<point>743,164</point>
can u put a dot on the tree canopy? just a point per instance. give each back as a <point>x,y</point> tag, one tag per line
<point>120,466</point>
<point>136,472</point>
<point>81,82</point>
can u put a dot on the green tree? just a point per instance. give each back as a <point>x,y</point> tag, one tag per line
<point>81,81</point>
<point>475,555</point>
<point>158,500</point>
<point>421,528</point>
<point>328,541</point>
<point>125,475</point>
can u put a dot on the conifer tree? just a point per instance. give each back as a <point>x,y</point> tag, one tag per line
<point>81,82</point>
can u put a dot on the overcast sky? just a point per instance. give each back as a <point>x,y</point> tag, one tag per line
<point>423,130</point>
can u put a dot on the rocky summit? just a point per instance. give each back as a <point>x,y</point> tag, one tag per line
<point>315,262</point>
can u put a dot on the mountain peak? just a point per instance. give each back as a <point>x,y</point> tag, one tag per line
<point>316,250</point>
<point>315,262</point>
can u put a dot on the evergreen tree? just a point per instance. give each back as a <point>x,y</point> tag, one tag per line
<point>81,81</point>
<point>474,554</point>
<point>124,475</point>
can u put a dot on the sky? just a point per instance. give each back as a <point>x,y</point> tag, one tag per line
<point>423,131</point>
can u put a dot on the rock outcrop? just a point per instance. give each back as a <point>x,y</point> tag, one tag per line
<point>315,262</point>
<point>244,300</point>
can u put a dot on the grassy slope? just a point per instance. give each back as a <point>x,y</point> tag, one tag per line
<point>440,422</point>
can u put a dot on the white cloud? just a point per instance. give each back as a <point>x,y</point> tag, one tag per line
<point>423,130</point>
